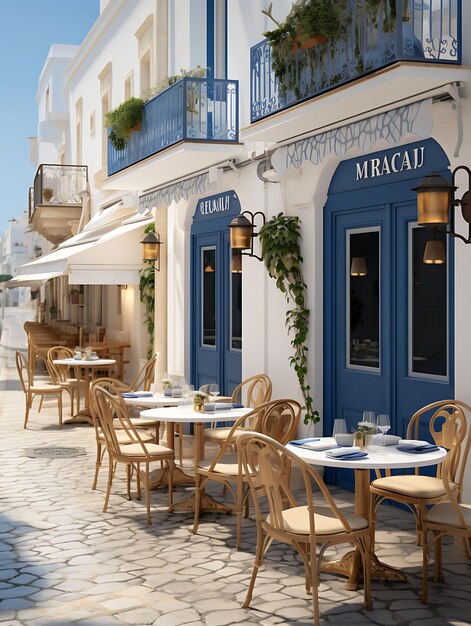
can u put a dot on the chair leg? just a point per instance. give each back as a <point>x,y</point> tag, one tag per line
<point>467,547</point>
<point>97,464</point>
<point>180,443</point>
<point>171,469</point>
<point>147,490</point>
<point>314,579</point>
<point>425,549</point>
<point>40,404</point>
<point>199,483</point>
<point>261,548</point>
<point>28,406</point>
<point>110,481</point>
<point>128,481</point>
<point>59,404</point>
<point>138,481</point>
<point>438,570</point>
<point>367,544</point>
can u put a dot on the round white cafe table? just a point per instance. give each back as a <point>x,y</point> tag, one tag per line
<point>187,415</point>
<point>379,458</point>
<point>84,416</point>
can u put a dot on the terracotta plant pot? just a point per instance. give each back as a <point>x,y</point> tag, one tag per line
<point>305,44</point>
<point>47,194</point>
<point>137,127</point>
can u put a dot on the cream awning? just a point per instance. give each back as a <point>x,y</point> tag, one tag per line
<point>30,280</point>
<point>113,258</point>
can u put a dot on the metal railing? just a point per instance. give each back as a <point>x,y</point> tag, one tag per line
<point>59,185</point>
<point>30,202</point>
<point>193,109</point>
<point>425,31</point>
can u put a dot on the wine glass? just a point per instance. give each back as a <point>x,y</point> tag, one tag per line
<point>383,424</point>
<point>340,427</point>
<point>213,390</point>
<point>369,416</point>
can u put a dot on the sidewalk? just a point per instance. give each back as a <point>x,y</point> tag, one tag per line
<point>63,561</point>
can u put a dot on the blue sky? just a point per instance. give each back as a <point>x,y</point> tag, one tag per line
<point>28,28</point>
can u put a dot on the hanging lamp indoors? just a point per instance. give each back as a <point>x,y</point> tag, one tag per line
<point>358,266</point>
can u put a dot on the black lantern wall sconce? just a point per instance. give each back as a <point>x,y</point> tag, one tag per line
<point>436,202</point>
<point>151,249</point>
<point>242,232</point>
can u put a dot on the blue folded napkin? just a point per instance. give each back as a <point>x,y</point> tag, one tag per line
<point>418,449</point>
<point>137,394</point>
<point>300,442</point>
<point>211,407</point>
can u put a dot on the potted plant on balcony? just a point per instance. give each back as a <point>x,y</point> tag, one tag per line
<point>47,194</point>
<point>168,81</point>
<point>123,120</point>
<point>309,23</point>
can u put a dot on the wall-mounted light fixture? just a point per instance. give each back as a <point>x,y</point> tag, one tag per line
<point>242,232</point>
<point>436,202</point>
<point>151,249</point>
<point>358,266</point>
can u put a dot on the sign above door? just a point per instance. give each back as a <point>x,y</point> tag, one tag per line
<point>225,204</point>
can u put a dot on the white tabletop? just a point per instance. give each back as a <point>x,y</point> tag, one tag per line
<point>82,363</point>
<point>183,414</point>
<point>155,401</point>
<point>386,457</point>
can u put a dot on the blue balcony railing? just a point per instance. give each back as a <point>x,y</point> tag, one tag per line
<point>193,109</point>
<point>425,31</point>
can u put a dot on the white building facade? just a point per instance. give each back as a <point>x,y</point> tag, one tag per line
<point>341,143</point>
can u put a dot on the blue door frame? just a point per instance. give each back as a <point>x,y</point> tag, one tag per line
<point>221,363</point>
<point>388,204</point>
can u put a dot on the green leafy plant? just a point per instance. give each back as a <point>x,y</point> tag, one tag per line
<point>168,81</point>
<point>147,295</point>
<point>5,277</point>
<point>281,254</point>
<point>123,120</point>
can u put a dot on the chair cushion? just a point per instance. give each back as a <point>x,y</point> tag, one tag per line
<point>124,438</point>
<point>444,513</point>
<point>229,465</point>
<point>45,388</point>
<point>421,487</point>
<point>153,449</point>
<point>219,435</point>
<point>296,520</point>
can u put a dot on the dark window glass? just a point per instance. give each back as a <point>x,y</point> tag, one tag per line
<point>429,307</point>
<point>236,309</point>
<point>364,288</point>
<point>208,281</point>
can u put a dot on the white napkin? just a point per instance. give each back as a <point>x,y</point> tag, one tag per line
<point>344,451</point>
<point>389,440</point>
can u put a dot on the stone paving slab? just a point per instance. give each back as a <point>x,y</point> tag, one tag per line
<point>63,561</point>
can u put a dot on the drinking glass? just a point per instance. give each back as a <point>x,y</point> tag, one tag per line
<point>369,416</point>
<point>340,427</point>
<point>383,424</point>
<point>214,390</point>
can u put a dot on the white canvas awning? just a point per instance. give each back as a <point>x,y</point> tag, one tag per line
<point>114,258</point>
<point>30,280</point>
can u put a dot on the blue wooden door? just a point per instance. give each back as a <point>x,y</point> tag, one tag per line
<point>388,315</point>
<point>216,299</point>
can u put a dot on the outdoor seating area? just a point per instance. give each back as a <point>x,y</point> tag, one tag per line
<point>272,485</point>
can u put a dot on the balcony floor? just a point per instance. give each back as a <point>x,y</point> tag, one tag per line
<point>177,161</point>
<point>394,84</point>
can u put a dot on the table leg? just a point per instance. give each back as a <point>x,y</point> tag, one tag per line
<point>84,415</point>
<point>208,503</point>
<point>350,563</point>
<point>160,477</point>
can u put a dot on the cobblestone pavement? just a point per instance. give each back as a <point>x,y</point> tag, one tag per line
<point>64,561</point>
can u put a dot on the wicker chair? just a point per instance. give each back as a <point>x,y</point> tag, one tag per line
<point>251,393</point>
<point>59,374</point>
<point>31,391</point>
<point>447,427</point>
<point>316,522</point>
<point>133,455</point>
<point>278,419</point>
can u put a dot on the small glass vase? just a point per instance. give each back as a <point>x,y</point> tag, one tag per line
<point>362,440</point>
<point>168,392</point>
